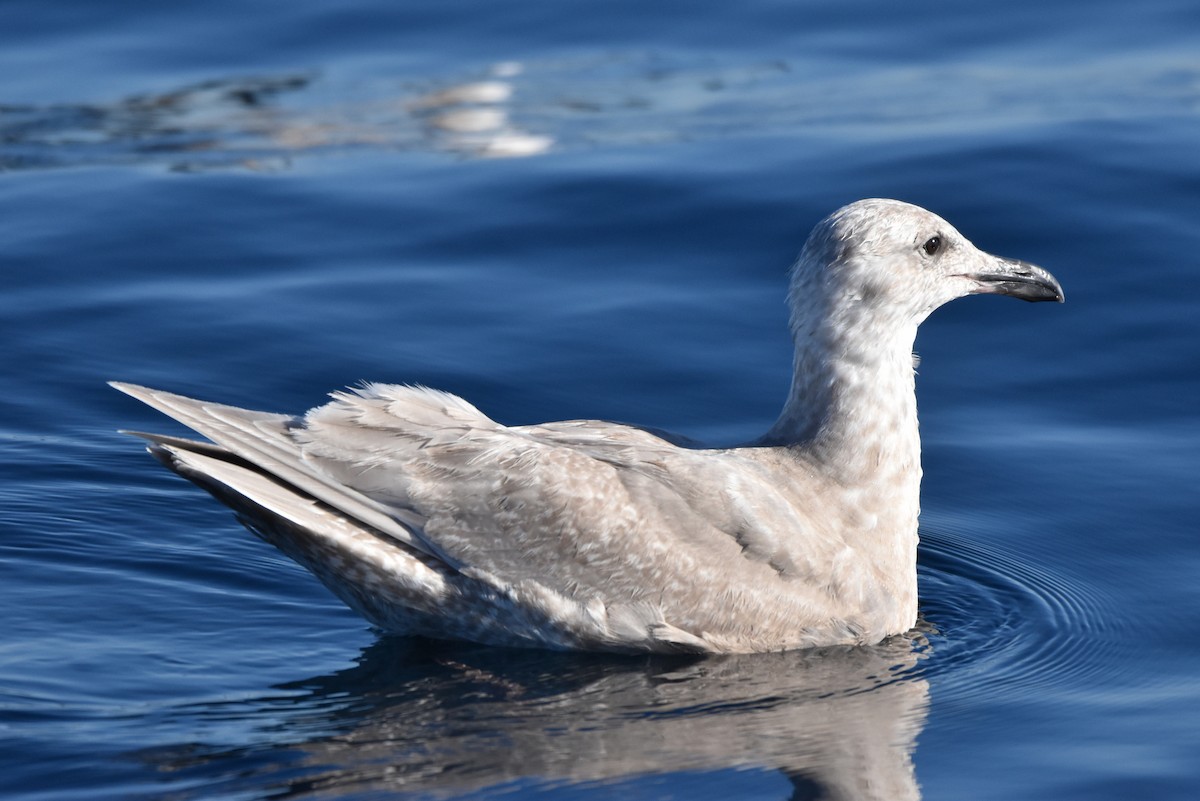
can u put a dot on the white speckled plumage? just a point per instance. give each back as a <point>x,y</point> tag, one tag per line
<point>429,518</point>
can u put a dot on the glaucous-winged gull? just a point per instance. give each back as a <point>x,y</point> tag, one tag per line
<point>429,518</point>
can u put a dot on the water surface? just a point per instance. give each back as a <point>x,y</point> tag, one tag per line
<point>587,212</point>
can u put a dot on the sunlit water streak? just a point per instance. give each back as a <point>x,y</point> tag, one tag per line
<point>522,109</point>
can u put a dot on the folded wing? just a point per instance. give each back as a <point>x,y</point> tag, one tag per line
<point>573,534</point>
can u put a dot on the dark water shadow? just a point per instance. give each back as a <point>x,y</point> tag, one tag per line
<point>212,123</point>
<point>426,719</point>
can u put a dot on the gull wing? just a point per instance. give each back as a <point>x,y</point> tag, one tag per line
<point>587,509</point>
<point>606,532</point>
<point>264,440</point>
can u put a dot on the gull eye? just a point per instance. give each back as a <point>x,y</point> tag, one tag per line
<point>932,245</point>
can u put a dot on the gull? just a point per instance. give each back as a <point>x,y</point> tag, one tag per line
<point>429,518</point>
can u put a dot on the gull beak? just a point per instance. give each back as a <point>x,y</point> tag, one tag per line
<point>1019,279</point>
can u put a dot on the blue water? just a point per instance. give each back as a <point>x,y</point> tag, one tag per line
<point>258,203</point>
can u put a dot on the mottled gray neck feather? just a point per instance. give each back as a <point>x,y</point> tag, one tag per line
<point>852,404</point>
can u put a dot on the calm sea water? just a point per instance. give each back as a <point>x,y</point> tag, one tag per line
<point>586,210</point>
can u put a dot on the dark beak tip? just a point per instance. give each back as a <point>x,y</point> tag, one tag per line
<point>1057,295</point>
<point>1023,281</point>
<point>1038,294</point>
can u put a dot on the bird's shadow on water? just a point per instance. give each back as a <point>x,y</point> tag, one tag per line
<point>427,719</point>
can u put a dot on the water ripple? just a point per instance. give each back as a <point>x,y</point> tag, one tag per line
<point>1024,627</point>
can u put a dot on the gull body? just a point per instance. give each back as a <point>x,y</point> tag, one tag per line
<point>429,518</point>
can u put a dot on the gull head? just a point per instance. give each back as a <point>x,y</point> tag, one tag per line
<point>885,260</point>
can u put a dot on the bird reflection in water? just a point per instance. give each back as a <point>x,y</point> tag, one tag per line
<point>441,720</point>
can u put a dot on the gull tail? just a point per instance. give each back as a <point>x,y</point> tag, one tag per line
<point>377,570</point>
<point>398,589</point>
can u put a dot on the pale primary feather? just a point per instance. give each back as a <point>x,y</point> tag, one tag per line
<point>428,517</point>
